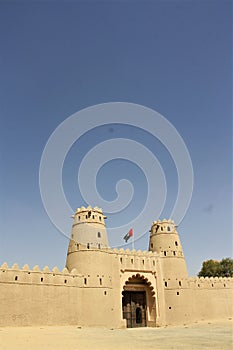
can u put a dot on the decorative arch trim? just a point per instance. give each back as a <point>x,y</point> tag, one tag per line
<point>142,278</point>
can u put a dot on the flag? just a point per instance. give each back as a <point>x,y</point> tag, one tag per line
<point>128,235</point>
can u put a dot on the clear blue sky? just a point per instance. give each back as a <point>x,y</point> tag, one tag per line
<point>58,57</point>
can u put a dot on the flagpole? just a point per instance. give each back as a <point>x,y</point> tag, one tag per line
<point>133,242</point>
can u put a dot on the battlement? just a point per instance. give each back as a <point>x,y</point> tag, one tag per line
<point>194,283</point>
<point>211,282</point>
<point>164,226</point>
<point>36,268</point>
<point>134,252</point>
<point>74,247</point>
<point>89,208</point>
<point>47,277</point>
<point>89,215</point>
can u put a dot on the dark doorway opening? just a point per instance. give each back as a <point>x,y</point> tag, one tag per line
<point>134,308</point>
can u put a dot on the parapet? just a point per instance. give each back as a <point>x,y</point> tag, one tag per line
<point>4,267</point>
<point>89,215</point>
<point>35,275</point>
<point>45,277</point>
<point>89,208</point>
<point>164,226</point>
<point>198,283</point>
<point>211,282</point>
<point>134,252</point>
<point>78,247</point>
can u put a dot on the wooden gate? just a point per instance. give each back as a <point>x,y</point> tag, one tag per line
<point>134,308</point>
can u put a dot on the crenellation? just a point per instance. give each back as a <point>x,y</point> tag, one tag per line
<point>46,269</point>
<point>73,248</point>
<point>56,270</point>
<point>65,271</point>
<point>26,267</point>
<point>210,282</point>
<point>15,267</point>
<point>36,268</point>
<point>52,278</point>
<point>4,265</point>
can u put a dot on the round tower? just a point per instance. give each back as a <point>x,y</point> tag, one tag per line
<point>164,239</point>
<point>88,232</point>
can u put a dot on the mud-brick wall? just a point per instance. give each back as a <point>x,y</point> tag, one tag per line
<point>197,299</point>
<point>34,297</point>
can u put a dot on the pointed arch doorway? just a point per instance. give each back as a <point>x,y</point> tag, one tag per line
<point>138,302</point>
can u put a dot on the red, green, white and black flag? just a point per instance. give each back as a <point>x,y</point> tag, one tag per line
<point>128,235</point>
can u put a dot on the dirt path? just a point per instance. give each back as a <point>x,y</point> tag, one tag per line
<point>205,335</point>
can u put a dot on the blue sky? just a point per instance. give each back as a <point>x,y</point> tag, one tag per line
<point>60,57</point>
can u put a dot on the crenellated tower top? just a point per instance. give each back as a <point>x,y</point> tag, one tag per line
<point>163,226</point>
<point>88,232</point>
<point>89,215</point>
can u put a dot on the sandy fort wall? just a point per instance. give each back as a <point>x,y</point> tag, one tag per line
<point>195,299</point>
<point>92,298</point>
<point>44,297</point>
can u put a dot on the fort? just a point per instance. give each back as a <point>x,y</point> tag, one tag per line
<point>115,288</point>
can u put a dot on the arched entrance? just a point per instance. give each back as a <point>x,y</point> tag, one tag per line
<point>138,302</point>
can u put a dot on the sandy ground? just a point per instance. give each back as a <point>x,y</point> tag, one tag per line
<point>205,335</point>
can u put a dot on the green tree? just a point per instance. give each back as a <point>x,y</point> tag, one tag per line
<point>214,268</point>
<point>210,268</point>
<point>226,267</point>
